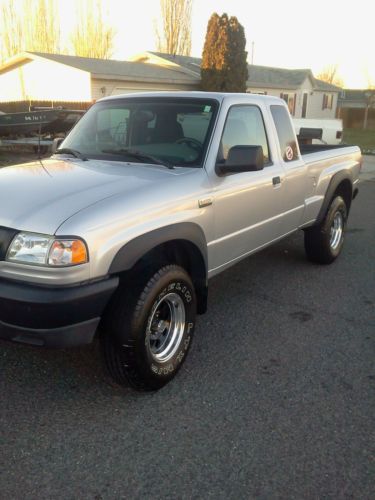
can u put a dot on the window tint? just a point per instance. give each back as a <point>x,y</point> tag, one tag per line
<point>244,127</point>
<point>285,132</point>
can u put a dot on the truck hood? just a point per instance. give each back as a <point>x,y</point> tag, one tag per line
<point>40,196</point>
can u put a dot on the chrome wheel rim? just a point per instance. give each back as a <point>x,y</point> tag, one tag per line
<point>336,230</point>
<point>166,327</point>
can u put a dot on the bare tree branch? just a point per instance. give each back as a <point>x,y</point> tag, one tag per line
<point>11,39</point>
<point>28,25</point>
<point>174,34</point>
<point>329,74</point>
<point>91,36</point>
<point>41,26</point>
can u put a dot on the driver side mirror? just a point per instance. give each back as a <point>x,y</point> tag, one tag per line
<point>242,159</point>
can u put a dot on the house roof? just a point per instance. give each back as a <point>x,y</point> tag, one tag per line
<point>288,78</point>
<point>320,85</point>
<point>259,76</point>
<point>192,64</point>
<point>109,68</point>
<point>358,95</point>
<point>177,69</point>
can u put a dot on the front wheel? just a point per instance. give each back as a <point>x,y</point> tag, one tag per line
<point>323,243</point>
<point>148,330</point>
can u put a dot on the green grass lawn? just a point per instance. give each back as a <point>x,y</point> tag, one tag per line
<point>365,139</point>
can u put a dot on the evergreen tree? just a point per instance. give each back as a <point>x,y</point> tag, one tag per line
<point>224,66</point>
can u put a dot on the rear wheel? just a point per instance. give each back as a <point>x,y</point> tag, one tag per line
<point>148,330</point>
<point>323,243</point>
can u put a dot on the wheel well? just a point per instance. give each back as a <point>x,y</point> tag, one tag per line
<point>180,252</point>
<point>345,190</point>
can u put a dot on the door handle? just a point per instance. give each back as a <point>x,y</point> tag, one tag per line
<point>276,181</point>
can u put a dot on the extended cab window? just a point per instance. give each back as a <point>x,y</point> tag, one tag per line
<point>285,133</point>
<point>244,127</point>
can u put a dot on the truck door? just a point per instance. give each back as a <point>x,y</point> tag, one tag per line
<point>296,181</point>
<point>248,205</point>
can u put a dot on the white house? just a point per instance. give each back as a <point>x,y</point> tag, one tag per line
<point>33,78</point>
<point>306,96</point>
<point>36,78</point>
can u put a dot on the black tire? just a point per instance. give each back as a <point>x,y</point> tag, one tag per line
<point>138,329</point>
<point>320,244</point>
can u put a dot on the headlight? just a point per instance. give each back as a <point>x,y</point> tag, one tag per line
<point>29,248</point>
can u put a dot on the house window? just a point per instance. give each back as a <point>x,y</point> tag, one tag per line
<point>327,101</point>
<point>290,99</point>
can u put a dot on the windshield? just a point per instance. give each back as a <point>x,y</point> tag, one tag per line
<point>172,130</point>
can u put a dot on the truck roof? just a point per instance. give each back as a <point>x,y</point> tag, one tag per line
<point>219,96</point>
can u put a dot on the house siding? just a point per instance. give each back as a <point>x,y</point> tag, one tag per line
<point>39,79</point>
<point>298,93</point>
<point>12,86</point>
<point>316,105</point>
<point>314,99</point>
<point>42,80</point>
<point>101,88</point>
<point>306,88</point>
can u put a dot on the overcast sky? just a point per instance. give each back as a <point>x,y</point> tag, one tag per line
<point>288,33</point>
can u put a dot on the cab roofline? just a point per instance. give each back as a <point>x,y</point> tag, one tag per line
<point>219,96</point>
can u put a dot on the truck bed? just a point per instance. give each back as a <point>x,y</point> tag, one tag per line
<point>316,148</point>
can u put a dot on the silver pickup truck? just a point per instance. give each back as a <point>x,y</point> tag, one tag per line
<point>148,197</point>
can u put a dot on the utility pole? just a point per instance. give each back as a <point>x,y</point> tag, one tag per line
<point>252,52</point>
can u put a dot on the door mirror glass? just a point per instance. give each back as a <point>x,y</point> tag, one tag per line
<point>242,159</point>
<point>244,133</point>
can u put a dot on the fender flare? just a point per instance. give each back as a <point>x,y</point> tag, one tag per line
<point>332,186</point>
<point>131,252</point>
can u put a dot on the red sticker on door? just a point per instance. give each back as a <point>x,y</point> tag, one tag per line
<point>289,153</point>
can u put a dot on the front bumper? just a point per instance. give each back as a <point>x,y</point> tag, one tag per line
<point>53,317</point>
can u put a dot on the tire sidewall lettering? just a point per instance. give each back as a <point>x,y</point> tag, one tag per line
<point>166,369</point>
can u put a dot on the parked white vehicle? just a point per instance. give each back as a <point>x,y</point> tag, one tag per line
<point>318,131</point>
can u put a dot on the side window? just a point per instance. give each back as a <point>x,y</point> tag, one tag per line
<point>285,133</point>
<point>244,127</point>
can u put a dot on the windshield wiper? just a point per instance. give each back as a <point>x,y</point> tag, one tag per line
<point>138,155</point>
<point>73,152</point>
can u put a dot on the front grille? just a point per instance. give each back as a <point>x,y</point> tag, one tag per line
<point>6,237</point>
